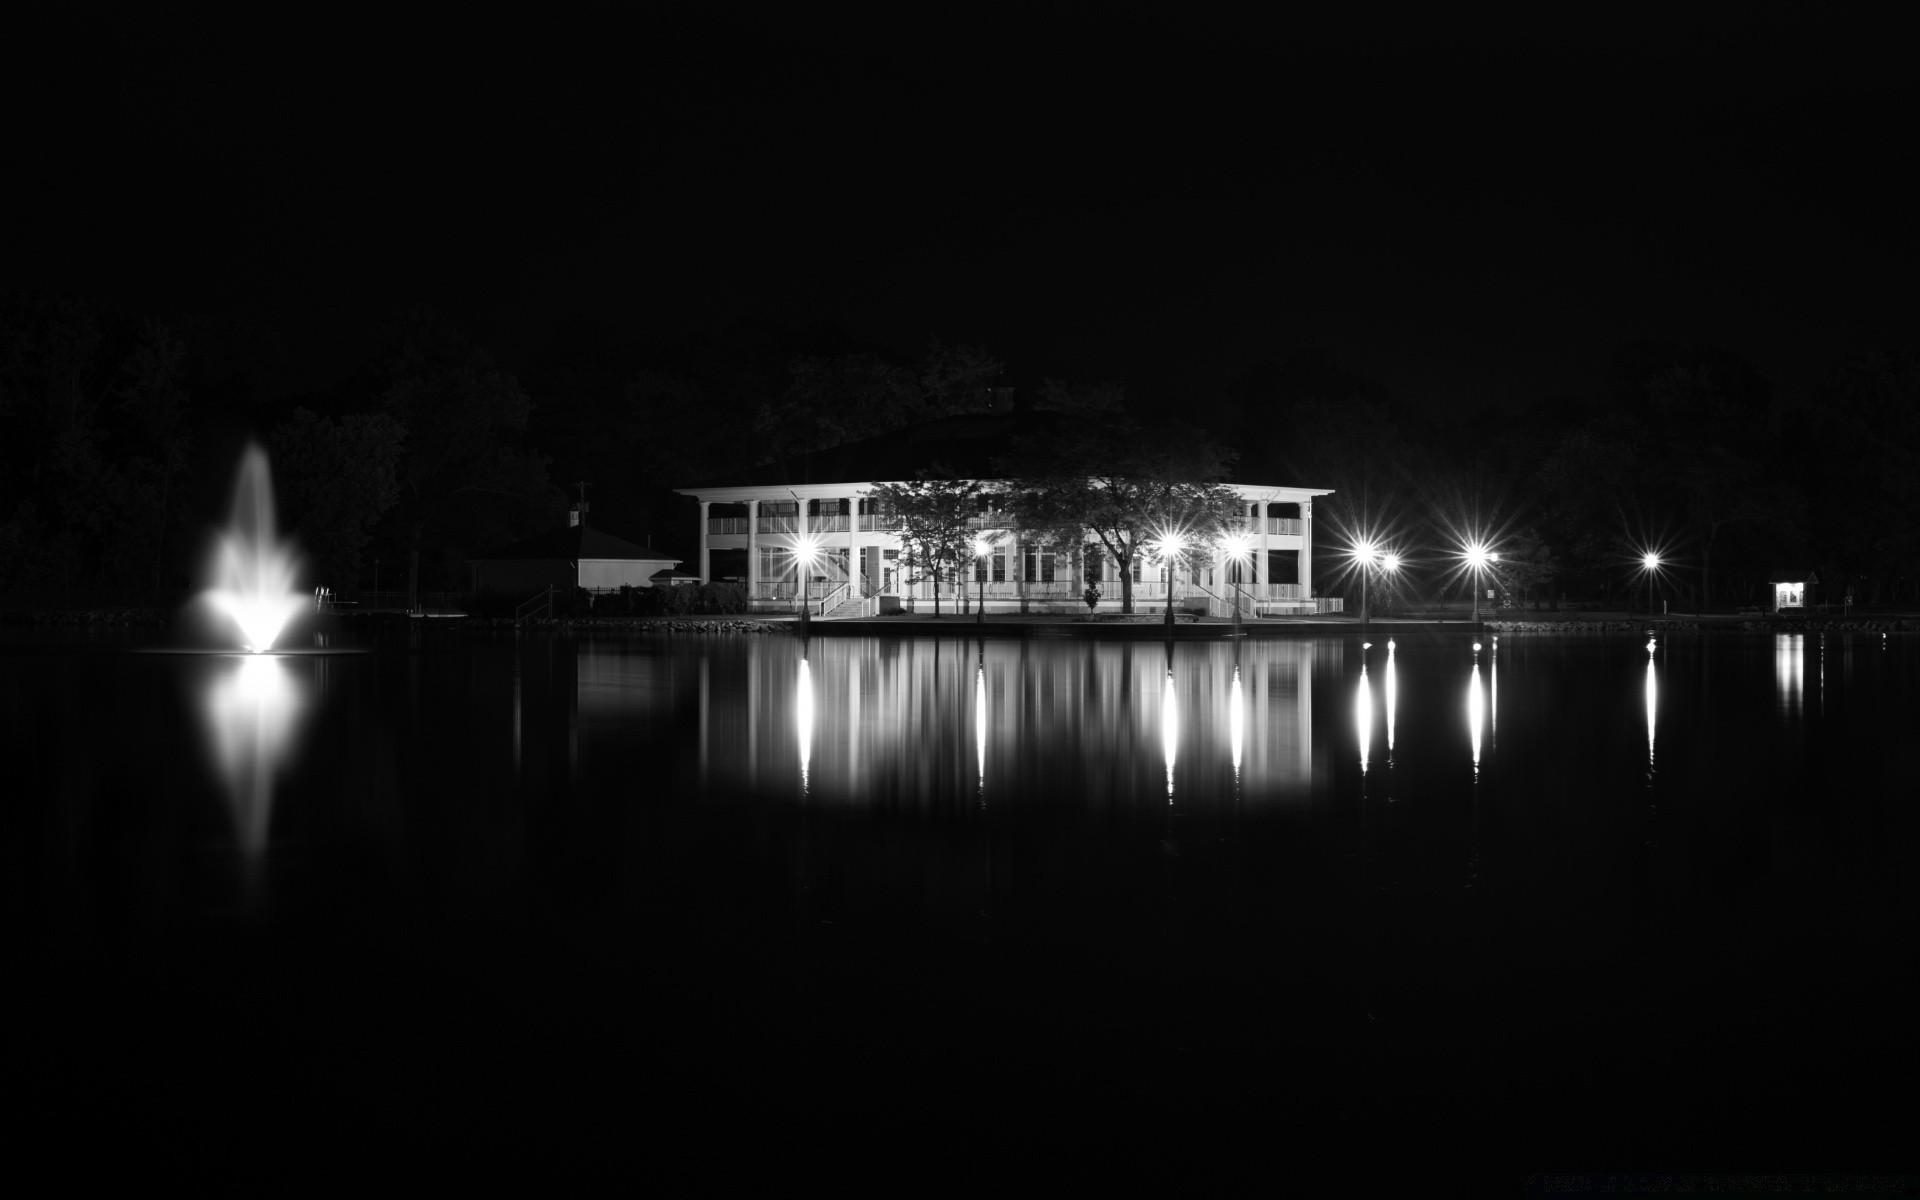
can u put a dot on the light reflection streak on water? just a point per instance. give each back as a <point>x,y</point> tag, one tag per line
<point>1237,720</point>
<point>1788,669</point>
<point>1392,697</point>
<point>1493,693</point>
<point>1653,704</point>
<point>1476,711</point>
<point>980,727</point>
<point>803,721</point>
<point>1169,728</point>
<point>251,710</point>
<point>1363,715</point>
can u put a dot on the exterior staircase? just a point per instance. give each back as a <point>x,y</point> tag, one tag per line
<point>854,607</point>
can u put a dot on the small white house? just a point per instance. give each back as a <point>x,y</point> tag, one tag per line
<point>578,556</point>
<point>1792,590</point>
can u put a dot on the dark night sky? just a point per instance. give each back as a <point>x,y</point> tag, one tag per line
<point>1473,215</point>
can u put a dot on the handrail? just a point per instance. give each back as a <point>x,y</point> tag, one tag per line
<point>543,600</point>
<point>831,597</point>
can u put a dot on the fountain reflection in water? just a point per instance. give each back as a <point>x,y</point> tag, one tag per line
<point>252,570</point>
<point>252,707</point>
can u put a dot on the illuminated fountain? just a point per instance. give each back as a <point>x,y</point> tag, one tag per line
<point>252,705</point>
<point>252,569</point>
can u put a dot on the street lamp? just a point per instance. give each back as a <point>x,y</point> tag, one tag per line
<point>1366,553</point>
<point>1478,558</point>
<point>1370,558</point>
<point>805,551</point>
<point>1649,564</point>
<point>1237,546</point>
<point>981,548</point>
<point>1170,546</point>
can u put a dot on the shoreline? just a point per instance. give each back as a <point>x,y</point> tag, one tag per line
<point>1024,625</point>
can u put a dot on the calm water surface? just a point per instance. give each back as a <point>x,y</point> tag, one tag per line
<point>1555,899</point>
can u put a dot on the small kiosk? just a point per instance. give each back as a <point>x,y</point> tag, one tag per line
<point>1793,590</point>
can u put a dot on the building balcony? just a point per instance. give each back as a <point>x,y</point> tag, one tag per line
<point>726,525</point>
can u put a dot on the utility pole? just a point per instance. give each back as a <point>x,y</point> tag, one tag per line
<point>581,507</point>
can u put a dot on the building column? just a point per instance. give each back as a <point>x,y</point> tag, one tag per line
<point>1265,572</point>
<point>1306,550</point>
<point>853,548</point>
<point>706,553</point>
<point>753,551</point>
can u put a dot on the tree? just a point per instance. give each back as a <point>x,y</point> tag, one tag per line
<point>336,479</point>
<point>1712,449</point>
<point>933,514</point>
<point>1124,480</point>
<point>831,400</point>
<point>466,482</point>
<point>1863,467</point>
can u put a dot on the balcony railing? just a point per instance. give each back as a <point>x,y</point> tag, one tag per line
<point>878,522</point>
<point>779,523</point>
<point>727,524</point>
<point>1285,526</point>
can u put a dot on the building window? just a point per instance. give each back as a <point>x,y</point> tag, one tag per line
<point>999,568</point>
<point>1095,558</point>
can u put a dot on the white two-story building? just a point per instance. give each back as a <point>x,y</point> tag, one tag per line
<point>750,526</point>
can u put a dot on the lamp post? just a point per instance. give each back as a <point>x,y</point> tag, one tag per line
<point>805,550</point>
<point>1237,546</point>
<point>1478,556</point>
<point>1650,564</point>
<point>981,548</point>
<point>1170,544</point>
<point>1365,553</point>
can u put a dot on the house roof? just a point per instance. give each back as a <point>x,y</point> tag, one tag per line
<point>572,544</point>
<point>1793,577</point>
<point>968,443</point>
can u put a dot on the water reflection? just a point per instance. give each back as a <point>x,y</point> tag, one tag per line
<point>1237,720</point>
<point>980,723</point>
<point>1169,728</point>
<point>803,721</point>
<point>252,705</point>
<point>1363,711</point>
<point>1493,693</point>
<point>1476,709</point>
<point>1392,697</point>
<point>1789,657</point>
<point>1653,705</point>
<point>863,721</point>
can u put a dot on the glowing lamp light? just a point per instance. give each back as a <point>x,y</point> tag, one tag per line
<point>1236,545</point>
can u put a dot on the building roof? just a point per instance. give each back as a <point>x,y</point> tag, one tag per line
<point>969,444</point>
<point>572,544</point>
<point>1793,577</point>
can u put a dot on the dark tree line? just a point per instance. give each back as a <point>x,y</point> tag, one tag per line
<point>118,434</point>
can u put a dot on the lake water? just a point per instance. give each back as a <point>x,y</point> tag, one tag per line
<point>1562,902</point>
